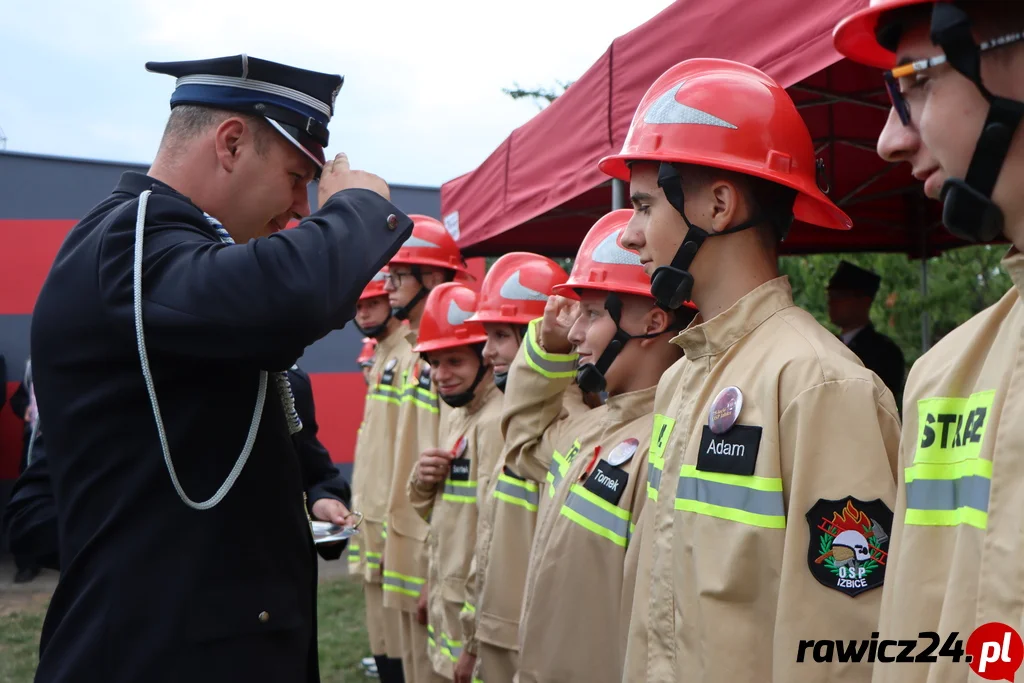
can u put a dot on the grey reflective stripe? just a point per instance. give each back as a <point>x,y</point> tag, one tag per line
<point>728,496</point>
<point>408,587</point>
<point>517,491</point>
<point>946,494</point>
<point>546,366</point>
<point>653,476</point>
<point>468,489</point>
<point>600,517</point>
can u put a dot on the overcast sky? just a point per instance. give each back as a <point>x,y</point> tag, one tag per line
<point>422,101</point>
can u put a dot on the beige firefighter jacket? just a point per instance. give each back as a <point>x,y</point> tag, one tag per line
<point>571,625</point>
<point>473,434</point>
<point>405,549</point>
<point>957,547</point>
<point>775,531</point>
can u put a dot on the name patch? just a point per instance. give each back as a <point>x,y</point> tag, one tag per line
<point>459,469</point>
<point>607,482</point>
<point>734,452</point>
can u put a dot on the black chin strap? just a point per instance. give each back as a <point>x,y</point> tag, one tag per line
<point>463,398</point>
<point>402,312</point>
<point>590,377</point>
<point>673,284</point>
<point>968,210</point>
<point>375,331</point>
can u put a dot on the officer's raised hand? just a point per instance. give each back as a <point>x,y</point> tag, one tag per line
<point>559,315</point>
<point>338,176</point>
<point>433,465</point>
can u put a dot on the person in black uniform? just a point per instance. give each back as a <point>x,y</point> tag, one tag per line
<point>160,345</point>
<point>30,519</point>
<point>850,293</point>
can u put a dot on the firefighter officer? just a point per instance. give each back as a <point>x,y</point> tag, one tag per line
<point>182,332</point>
<point>574,616</point>
<point>773,448</point>
<point>371,474</point>
<point>514,293</point>
<point>446,483</point>
<point>955,75</point>
<point>427,259</point>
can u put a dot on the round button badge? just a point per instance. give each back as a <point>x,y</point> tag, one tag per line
<point>725,410</point>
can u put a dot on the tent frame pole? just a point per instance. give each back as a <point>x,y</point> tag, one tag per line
<point>618,194</point>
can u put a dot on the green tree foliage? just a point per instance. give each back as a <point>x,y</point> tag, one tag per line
<point>961,283</point>
<point>540,95</point>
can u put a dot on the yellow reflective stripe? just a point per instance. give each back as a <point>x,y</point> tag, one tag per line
<point>452,648</point>
<point>517,492</point>
<point>400,583</point>
<point>459,491</point>
<point>948,494</point>
<point>755,501</point>
<point>468,608</point>
<point>596,515</point>
<point>373,560</point>
<point>550,365</point>
<point>660,433</point>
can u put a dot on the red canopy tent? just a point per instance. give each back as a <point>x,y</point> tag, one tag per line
<point>541,190</point>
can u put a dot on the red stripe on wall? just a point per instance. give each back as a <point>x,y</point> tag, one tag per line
<point>339,398</point>
<point>27,249</point>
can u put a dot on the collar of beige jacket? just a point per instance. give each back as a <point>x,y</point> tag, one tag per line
<point>485,391</point>
<point>743,317</point>
<point>1013,262</point>
<point>629,406</point>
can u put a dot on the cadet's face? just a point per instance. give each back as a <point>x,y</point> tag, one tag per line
<point>501,347</point>
<point>454,369</point>
<point>593,328</point>
<point>656,229</point>
<point>950,112</point>
<point>372,312</point>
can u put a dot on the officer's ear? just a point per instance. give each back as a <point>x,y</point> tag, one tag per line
<point>227,141</point>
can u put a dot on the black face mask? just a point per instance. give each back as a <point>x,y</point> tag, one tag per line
<point>968,211</point>
<point>672,285</point>
<point>590,377</point>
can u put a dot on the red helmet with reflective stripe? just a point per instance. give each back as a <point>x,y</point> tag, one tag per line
<point>366,355</point>
<point>430,245</point>
<point>855,36</point>
<point>516,288</point>
<point>603,264</point>
<point>723,114</point>
<point>445,323</point>
<point>376,285</point>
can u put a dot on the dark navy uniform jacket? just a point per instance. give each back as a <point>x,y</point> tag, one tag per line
<point>152,590</point>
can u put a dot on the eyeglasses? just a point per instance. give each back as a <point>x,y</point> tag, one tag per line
<point>893,77</point>
<point>396,278</point>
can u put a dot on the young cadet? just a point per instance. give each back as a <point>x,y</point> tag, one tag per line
<point>513,294</point>
<point>444,486</point>
<point>371,474</point>
<point>773,449</point>
<point>572,622</point>
<point>427,259</point>
<point>958,98</point>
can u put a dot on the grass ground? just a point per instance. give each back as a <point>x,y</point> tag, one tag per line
<point>341,627</point>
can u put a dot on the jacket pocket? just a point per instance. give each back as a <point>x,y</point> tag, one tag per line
<point>243,608</point>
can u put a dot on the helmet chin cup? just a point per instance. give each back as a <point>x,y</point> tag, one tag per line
<point>589,379</point>
<point>375,331</point>
<point>501,380</point>
<point>671,287</point>
<point>968,214</point>
<point>458,400</point>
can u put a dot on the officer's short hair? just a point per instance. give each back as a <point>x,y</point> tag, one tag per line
<point>189,121</point>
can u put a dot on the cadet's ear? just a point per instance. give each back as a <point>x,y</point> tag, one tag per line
<point>227,138</point>
<point>726,204</point>
<point>656,321</point>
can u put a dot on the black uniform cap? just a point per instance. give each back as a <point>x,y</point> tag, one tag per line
<point>297,103</point>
